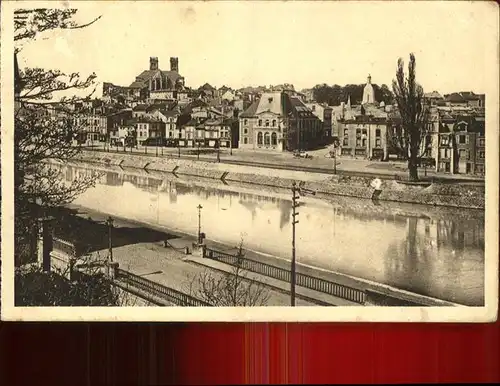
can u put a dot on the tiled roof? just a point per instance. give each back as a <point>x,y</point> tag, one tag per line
<point>141,107</point>
<point>171,113</point>
<point>455,98</point>
<point>143,78</point>
<point>469,96</point>
<point>433,95</point>
<point>278,103</point>
<point>208,87</point>
<point>250,112</point>
<point>192,122</point>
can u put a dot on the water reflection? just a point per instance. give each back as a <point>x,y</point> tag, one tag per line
<point>439,258</point>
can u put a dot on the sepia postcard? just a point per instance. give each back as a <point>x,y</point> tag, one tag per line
<point>296,161</point>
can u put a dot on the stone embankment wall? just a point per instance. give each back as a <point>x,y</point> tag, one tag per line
<point>438,194</point>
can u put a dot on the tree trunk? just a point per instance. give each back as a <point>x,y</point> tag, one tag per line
<point>412,167</point>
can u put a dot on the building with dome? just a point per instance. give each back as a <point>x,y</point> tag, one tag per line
<point>361,130</point>
<point>368,92</point>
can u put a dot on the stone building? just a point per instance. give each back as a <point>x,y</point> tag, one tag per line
<point>362,129</point>
<point>324,113</point>
<point>157,84</point>
<point>278,122</point>
<point>461,144</point>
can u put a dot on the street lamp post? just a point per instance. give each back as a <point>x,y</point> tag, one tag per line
<point>109,221</point>
<point>296,192</point>
<point>199,223</point>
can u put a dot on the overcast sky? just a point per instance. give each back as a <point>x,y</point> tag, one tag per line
<point>262,43</point>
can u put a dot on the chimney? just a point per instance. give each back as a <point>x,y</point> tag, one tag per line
<point>174,64</point>
<point>153,63</point>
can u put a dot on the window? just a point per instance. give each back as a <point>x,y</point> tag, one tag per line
<point>445,153</point>
<point>346,141</point>
<point>364,131</point>
<point>358,142</point>
<point>377,142</point>
<point>461,139</point>
<point>245,122</point>
<point>259,138</point>
<point>377,133</point>
<point>274,122</point>
<point>481,141</point>
<point>480,154</point>
<point>274,139</point>
<point>358,133</point>
<point>364,142</point>
<point>267,139</point>
<point>245,131</point>
<point>346,132</point>
<point>444,140</point>
<point>267,122</point>
<point>260,122</point>
<point>463,154</point>
<point>245,140</point>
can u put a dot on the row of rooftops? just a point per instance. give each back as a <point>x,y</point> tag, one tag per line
<point>197,123</point>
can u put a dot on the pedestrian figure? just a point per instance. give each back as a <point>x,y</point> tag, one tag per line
<point>376,184</point>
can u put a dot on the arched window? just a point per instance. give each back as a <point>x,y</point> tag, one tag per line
<point>267,139</point>
<point>274,139</point>
<point>260,122</point>
<point>267,122</point>
<point>245,140</point>
<point>245,122</point>
<point>274,122</point>
<point>259,138</point>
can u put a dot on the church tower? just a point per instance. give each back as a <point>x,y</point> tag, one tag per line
<point>153,63</point>
<point>368,92</point>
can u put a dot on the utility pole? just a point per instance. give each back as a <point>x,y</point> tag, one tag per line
<point>296,192</point>
<point>109,221</point>
<point>199,222</point>
<point>335,161</point>
<point>231,139</point>
<point>198,150</point>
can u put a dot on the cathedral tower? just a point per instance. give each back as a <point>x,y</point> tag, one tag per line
<point>153,63</point>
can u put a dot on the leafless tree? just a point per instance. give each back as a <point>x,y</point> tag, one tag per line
<point>229,289</point>
<point>412,132</point>
<point>45,127</point>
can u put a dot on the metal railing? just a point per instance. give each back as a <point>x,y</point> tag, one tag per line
<point>159,290</point>
<point>311,282</point>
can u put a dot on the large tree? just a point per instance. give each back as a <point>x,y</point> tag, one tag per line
<point>412,133</point>
<point>44,124</point>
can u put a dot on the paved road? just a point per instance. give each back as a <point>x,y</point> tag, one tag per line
<point>320,163</point>
<point>167,266</point>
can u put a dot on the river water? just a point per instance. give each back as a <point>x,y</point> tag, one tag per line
<point>435,255</point>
